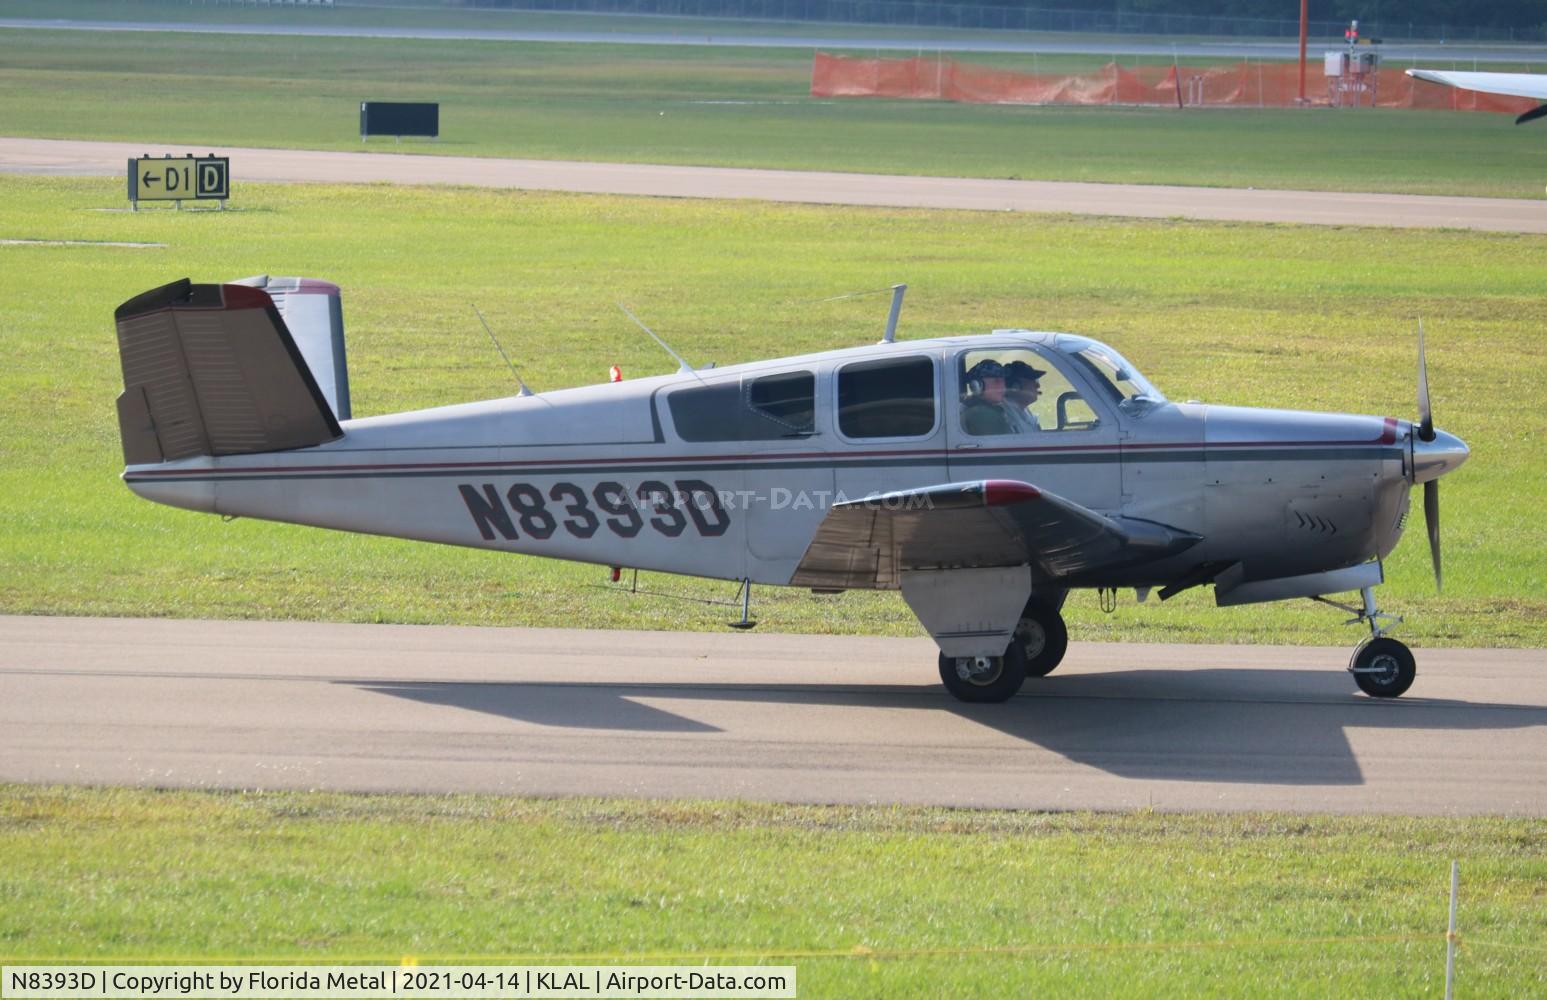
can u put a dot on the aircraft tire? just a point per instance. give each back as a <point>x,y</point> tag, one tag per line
<point>1042,636</point>
<point>999,684</point>
<point>1395,665</point>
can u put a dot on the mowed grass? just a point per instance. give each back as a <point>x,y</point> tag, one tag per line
<point>731,106</point>
<point>865,902</point>
<point>1311,318</point>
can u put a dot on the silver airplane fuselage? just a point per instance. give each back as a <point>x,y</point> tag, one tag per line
<point>621,474</point>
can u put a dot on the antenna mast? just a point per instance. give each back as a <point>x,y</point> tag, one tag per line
<point>683,365</point>
<point>891,319</point>
<point>519,381</point>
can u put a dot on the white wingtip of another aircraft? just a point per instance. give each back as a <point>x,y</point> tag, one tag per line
<point>1533,85</point>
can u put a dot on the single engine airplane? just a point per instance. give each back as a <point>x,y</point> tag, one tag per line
<point>891,466</point>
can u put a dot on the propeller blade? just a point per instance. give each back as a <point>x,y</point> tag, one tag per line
<point>1425,413</point>
<point>1532,115</point>
<point>1431,519</point>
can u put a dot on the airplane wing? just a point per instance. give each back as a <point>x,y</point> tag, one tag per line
<point>1532,85</point>
<point>869,543</point>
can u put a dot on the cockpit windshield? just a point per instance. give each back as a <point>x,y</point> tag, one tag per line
<point>1112,372</point>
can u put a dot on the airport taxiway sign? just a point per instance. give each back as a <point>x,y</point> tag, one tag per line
<point>186,178</point>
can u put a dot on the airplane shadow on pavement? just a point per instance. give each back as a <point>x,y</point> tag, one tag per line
<point>1284,727</point>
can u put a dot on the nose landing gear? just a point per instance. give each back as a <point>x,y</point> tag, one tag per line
<point>1382,666</point>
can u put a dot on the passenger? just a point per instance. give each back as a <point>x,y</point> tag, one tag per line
<point>983,409</point>
<point>1021,390</point>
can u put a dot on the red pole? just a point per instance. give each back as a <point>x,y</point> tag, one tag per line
<point>1302,50</point>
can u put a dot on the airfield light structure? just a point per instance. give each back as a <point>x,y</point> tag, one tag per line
<point>1352,73</point>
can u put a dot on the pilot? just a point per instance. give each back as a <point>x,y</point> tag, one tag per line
<point>983,409</point>
<point>1021,389</point>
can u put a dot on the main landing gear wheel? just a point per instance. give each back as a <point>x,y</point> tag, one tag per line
<point>984,678</point>
<point>1383,667</point>
<point>1042,637</point>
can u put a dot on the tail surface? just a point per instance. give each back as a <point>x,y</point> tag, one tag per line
<point>213,370</point>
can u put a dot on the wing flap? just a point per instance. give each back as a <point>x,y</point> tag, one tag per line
<point>978,525</point>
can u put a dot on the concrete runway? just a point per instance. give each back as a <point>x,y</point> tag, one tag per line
<point>757,716</point>
<point>80,158</point>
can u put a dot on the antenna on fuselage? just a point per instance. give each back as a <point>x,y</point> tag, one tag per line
<point>890,336</point>
<point>683,366</point>
<point>525,391</point>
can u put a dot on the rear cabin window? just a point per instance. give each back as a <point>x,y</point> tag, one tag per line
<point>788,401</point>
<point>894,397</point>
<point>759,409</point>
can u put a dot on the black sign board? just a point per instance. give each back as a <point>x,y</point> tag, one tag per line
<point>395,118</point>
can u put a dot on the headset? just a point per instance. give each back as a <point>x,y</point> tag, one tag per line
<point>982,370</point>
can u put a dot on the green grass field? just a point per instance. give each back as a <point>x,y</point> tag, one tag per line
<point>724,106</point>
<point>1285,316</point>
<point>865,902</point>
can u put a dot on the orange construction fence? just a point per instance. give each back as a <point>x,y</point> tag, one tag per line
<point>1245,84</point>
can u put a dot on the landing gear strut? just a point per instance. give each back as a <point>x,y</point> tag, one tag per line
<point>1382,666</point>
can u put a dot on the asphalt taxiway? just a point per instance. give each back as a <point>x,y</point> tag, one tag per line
<point>275,705</point>
<point>63,157</point>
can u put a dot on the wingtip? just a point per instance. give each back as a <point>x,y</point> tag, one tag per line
<point>997,492</point>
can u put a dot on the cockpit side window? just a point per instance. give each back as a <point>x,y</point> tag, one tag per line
<point>1016,391</point>
<point>892,397</point>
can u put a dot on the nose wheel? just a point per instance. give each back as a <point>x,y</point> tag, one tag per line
<point>1383,667</point>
